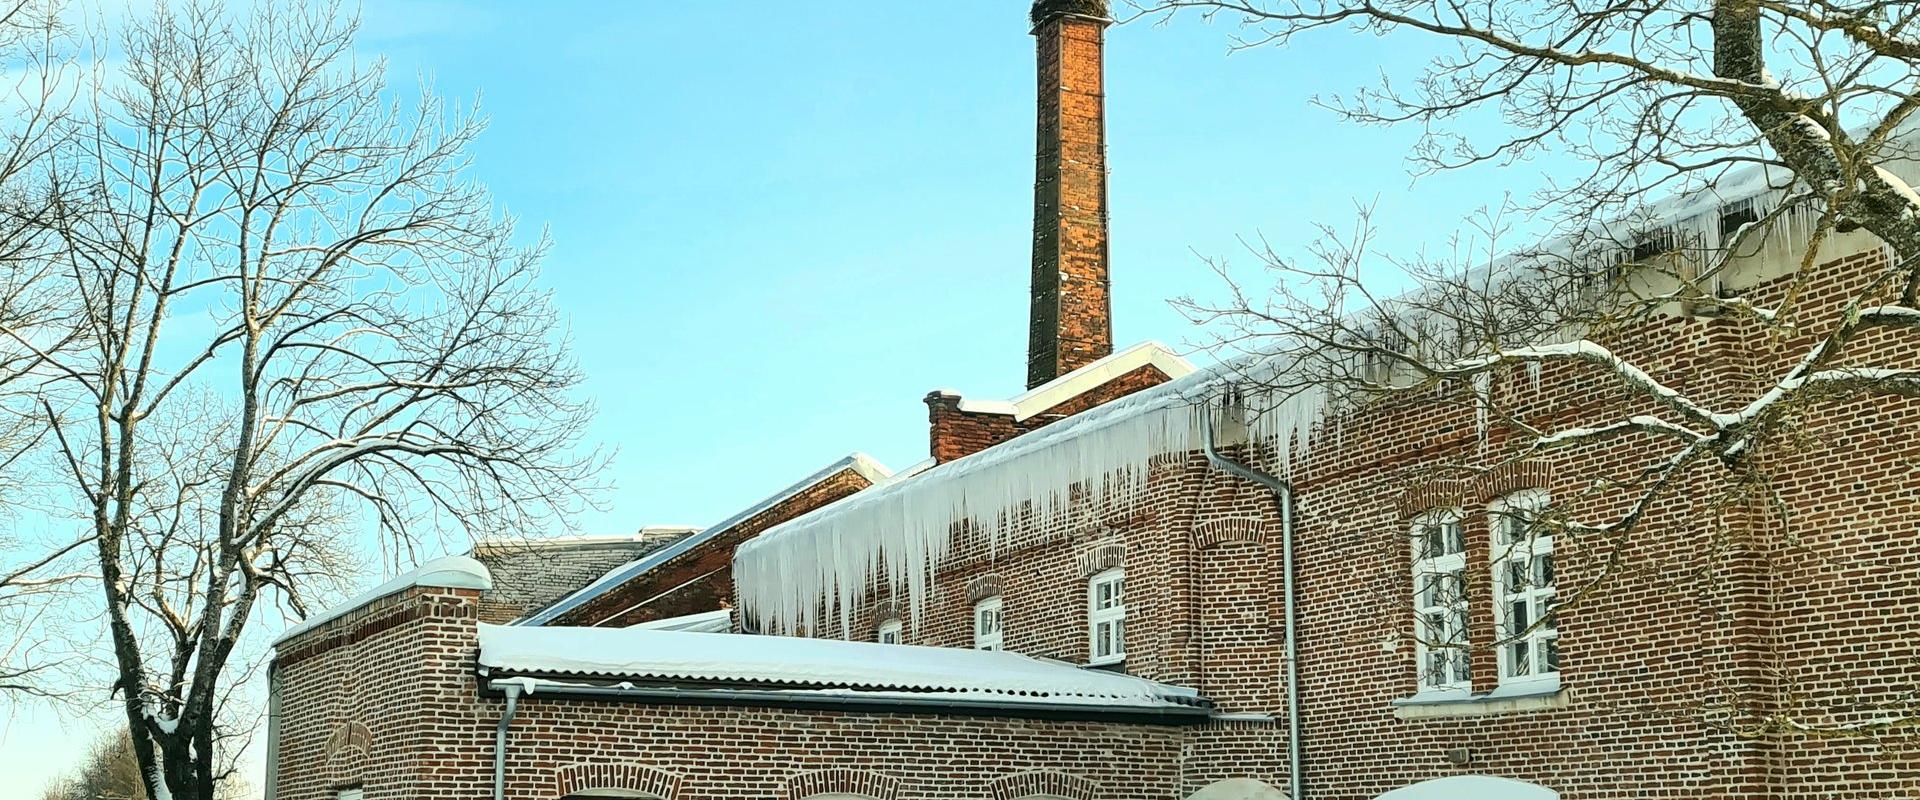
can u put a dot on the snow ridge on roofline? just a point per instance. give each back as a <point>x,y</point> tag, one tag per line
<point>1080,381</point>
<point>446,572</point>
<point>864,465</point>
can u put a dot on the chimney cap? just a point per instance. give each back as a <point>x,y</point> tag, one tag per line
<point>1044,10</point>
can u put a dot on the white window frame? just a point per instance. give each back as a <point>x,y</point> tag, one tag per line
<point>1111,618</point>
<point>989,623</point>
<point>1528,650</point>
<point>1439,592</point>
<point>890,632</point>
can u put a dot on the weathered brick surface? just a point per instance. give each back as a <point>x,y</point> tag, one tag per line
<point>1072,319</point>
<point>528,575</point>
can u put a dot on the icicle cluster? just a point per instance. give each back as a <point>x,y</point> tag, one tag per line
<point>823,563</point>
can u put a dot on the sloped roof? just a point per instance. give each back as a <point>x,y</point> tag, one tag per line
<point>861,463</point>
<point>800,663</point>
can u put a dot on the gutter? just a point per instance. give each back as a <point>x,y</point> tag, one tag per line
<point>512,692</point>
<point>1282,497</point>
<point>903,703</point>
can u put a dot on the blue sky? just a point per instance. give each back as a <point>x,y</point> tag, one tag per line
<point>778,226</point>
<point>777,230</point>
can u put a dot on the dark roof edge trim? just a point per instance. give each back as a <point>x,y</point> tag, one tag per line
<point>648,695</point>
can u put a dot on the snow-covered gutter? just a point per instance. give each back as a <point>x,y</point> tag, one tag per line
<point>1283,497</point>
<point>858,701</point>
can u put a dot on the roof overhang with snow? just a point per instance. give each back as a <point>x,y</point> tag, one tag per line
<point>662,666</point>
<point>1085,379</point>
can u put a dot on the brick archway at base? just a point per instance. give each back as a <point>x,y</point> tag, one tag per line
<point>635,778</point>
<point>842,781</point>
<point>1048,784</point>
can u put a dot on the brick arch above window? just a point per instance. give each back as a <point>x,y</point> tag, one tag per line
<point>1514,477</point>
<point>347,752</point>
<point>1218,531</point>
<point>1428,496</point>
<point>1102,557</point>
<point>842,781</point>
<point>886,611</point>
<point>615,780</point>
<point>983,587</point>
<point>1043,783</point>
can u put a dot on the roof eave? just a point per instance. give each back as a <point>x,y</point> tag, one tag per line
<point>1170,714</point>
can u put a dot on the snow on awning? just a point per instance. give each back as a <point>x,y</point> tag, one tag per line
<point>716,621</point>
<point>821,562</point>
<point>817,665</point>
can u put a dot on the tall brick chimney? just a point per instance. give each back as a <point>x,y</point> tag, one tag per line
<point>1072,320</point>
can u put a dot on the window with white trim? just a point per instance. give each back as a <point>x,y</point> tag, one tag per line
<point>987,620</point>
<point>1440,602</point>
<point>1523,592</point>
<point>889,632</point>
<point>1107,617</point>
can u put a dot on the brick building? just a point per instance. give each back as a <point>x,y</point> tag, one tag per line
<point>1123,583</point>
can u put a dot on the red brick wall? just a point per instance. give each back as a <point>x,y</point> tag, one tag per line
<point>1707,608</point>
<point>400,675</point>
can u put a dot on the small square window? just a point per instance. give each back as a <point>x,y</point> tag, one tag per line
<point>987,621</point>
<point>889,632</point>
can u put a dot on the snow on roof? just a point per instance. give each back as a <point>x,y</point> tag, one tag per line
<point>719,620</point>
<point>647,533</point>
<point>864,465</point>
<point>833,554</point>
<point>811,664</point>
<point>1082,380</point>
<point>448,572</point>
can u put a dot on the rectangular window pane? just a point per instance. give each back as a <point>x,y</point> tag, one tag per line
<point>1517,660</point>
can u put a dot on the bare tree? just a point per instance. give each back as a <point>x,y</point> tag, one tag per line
<point>36,96</point>
<point>1722,149</point>
<point>292,327</point>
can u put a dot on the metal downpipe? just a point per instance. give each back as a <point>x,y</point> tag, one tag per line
<point>500,742</point>
<point>1283,496</point>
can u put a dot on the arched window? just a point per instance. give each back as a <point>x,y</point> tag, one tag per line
<point>889,632</point>
<point>1107,617</point>
<point>987,620</point>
